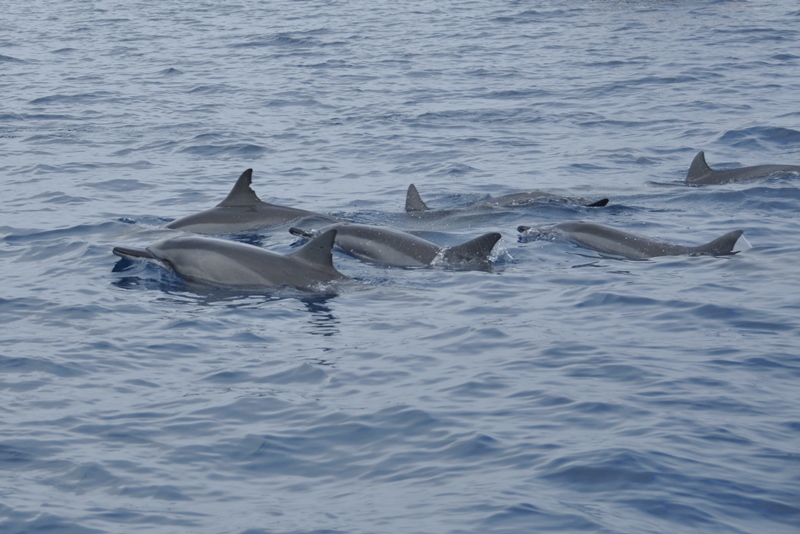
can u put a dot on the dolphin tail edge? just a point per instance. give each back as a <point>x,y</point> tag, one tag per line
<point>130,252</point>
<point>414,202</point>
<point>721,246</point>
<point>299,232</point>
<point>476,249</point>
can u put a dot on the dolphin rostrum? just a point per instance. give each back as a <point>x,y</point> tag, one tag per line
<point>414,202</point>
<point>615,242</point>
<point>701,174</point>
<point>241,211</point>
<point>382,245</point>
<point>237,265</point>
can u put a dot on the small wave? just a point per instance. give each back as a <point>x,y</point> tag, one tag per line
<point>279,40</point>
<point>10,59</point>
<point>235,149</point>
<point>69,99</point>
<point>759,137</point>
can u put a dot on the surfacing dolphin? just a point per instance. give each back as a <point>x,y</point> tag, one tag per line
<point>611,241</point>
<point>701,174</point>
<point>241,211</point>
<point>414,202</point>
<point>385,246</point>
<point>230,264</point>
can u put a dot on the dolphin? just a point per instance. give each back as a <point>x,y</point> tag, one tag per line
<point>615,242</point>
<point>701,174</point>
<point>414,202</point>
<point>237,265</point>
<point>241,211</point>
<point>385,246</point>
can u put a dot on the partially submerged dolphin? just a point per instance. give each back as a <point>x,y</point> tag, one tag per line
<point>615,242</point>
<point>414,202</point>
<point>701,174</point>
<point>241,211</point>
<point>237,265</point>
<point>400,249</point>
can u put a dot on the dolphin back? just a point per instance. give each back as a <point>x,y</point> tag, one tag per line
<point>721,246</point>
<point>477,249</point>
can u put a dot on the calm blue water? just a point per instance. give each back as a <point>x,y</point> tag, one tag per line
<point>557,392</point>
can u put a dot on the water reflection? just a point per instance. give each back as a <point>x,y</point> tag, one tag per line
<point>323,322</point>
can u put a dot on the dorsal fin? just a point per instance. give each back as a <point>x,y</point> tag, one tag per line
<point>599,204</point>
<point>413,200</point>
<point>478,249</point>
<point>318,250</point>
<point>698,169</point>
<point>721,246</point>
<point>241,194</point>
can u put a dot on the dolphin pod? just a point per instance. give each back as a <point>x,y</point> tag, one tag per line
<point>414,202</point>
<point>231,264</point>
<point>611,241</point>
<point>701,174</point>
<point>241,211</point>
<point>390,247</point>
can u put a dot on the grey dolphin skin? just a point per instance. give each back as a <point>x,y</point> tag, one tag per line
<point>615,242</point>
<point>701,174</point>
<point>236,265</point>
<point>400,249</point>
<point>414,202</point>
<point>241,211</point>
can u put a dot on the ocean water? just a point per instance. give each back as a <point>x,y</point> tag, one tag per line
<point>556,391</point>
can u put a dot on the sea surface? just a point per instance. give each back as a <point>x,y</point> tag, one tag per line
<point>554,391</point>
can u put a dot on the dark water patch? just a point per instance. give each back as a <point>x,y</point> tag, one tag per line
<point>615,470</point>
<point>210,89</point>
<point>280,40</point>
<point>12,456</point>
<point>11,59</point>
<point>160,492</point>
<point>71,234</point>
<point>24,366</point>
<point>471,448</point>
<point>526,517</point>
<point>85,478</point>
<point>455,118</point>
<point>26,117</point>
<point>57,197</point>
<point>118,185</point>
<point>128,516</point>
<point>485,388</point>
<point>674,512</point>
<point>329,64</point>
<point>43,522</point>
<point>14,309</point>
